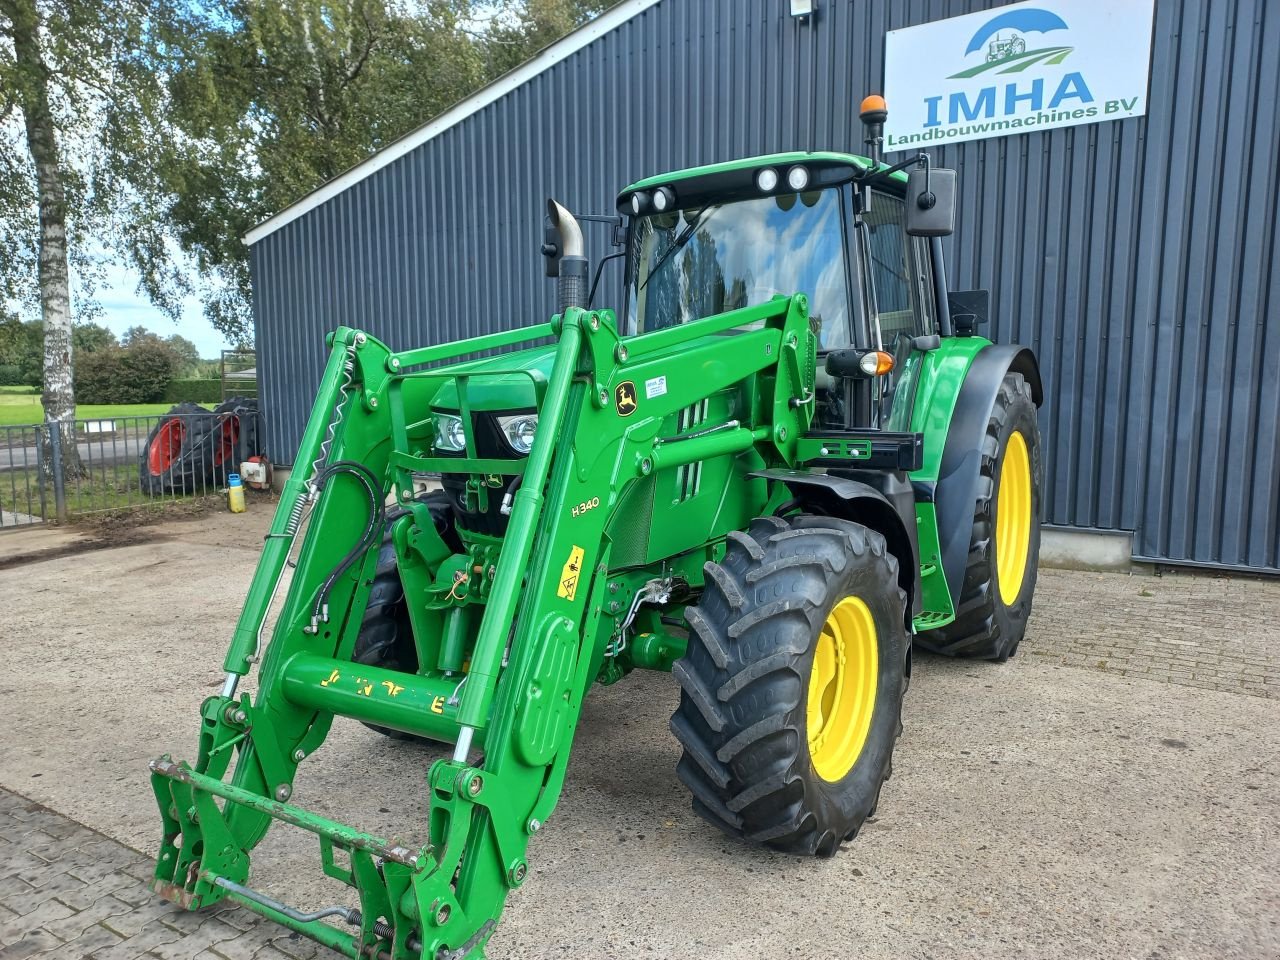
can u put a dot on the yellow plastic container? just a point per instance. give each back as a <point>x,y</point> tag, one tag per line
<point>235,493</point>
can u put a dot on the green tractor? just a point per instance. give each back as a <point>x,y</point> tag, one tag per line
<point>786,460</point>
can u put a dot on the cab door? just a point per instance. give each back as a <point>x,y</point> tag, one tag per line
<point>897,281</point>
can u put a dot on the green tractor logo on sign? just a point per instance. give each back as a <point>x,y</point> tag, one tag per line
<point>1009,54</point>
<point>1001,49</point>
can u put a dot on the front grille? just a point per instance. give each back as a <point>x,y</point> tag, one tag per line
<point>490,444</point>
<point>689,476</point>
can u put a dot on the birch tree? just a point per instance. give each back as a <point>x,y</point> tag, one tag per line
<point>78,81</point>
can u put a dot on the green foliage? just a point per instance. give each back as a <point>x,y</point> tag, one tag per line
<point>139,372</point>
<point>22,347</point>
<point>275,97</point>
<point>193,391</point>
<point>10,375</point>
<point>271,98</point>
<point>90,338</point>
<point>531,25</point>
<point>182,125</point>
<point>188,354</point>
<point>107,104</point>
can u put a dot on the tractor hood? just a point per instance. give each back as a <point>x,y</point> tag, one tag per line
<point>495,385</point>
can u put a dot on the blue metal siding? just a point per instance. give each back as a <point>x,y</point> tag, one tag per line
<point>1148,290</point>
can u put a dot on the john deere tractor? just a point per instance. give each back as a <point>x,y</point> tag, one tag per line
<point>786,458</point>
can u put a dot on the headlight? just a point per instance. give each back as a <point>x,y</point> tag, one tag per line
<point>449,433</point>
<point>798,178</point>
<point>519,430</point>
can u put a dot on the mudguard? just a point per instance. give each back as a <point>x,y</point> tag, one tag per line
<point>881,507</point>
<point>956,492</point>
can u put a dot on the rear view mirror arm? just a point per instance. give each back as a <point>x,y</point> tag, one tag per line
<point>875,175</point>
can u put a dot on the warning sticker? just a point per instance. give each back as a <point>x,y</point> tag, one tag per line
<point>568,588</point>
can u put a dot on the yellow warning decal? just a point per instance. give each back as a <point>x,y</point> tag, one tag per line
<point>568,588</point>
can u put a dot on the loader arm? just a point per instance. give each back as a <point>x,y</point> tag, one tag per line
<point>540,640</point>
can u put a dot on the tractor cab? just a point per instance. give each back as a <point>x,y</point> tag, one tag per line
<point>857,238</point>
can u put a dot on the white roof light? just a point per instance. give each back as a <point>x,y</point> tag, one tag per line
<point>767,180</point>
<point>798,178</point>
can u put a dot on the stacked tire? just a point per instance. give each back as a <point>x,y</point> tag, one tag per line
<point>193,449</point>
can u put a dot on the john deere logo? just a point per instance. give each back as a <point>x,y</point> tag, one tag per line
<point>1006,44</point>
<point>624,397</point>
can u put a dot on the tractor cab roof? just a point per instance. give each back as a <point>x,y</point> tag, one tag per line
<point>734,178</point>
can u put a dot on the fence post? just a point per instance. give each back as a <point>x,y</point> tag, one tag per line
<point>59,484</point>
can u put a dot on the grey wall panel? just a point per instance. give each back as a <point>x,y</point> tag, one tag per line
<point>1139,257</point>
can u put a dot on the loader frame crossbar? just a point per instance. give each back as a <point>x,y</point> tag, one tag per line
<point>540,640</point>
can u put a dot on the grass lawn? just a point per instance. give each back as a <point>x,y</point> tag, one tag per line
<point>21,405</point>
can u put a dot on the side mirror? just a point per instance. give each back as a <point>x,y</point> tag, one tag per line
<point>931,202</point>
<point>968,309</point>
<point>551,247</point>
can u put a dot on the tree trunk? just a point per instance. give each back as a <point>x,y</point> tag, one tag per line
<point>55,295</point>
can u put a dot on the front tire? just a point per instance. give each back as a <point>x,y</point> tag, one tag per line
<point>386,632</point>
<point>792,683</point>
<point>1004,546</point>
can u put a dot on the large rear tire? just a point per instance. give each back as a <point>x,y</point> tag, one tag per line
<point>386,633</point>
<point>792,684</point>
<point>172,459</point>
<point>1004,547</point>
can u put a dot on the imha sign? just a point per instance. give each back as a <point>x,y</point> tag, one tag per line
<point>1027,66</point>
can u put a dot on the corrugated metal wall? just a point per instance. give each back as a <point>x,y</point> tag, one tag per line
<point>1138,257</point>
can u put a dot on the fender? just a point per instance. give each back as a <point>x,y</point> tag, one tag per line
<point>876,499</point>
<point>956,492</point>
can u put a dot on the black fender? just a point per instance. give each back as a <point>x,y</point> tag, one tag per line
<point>881,500</point>
<point>956,492</point>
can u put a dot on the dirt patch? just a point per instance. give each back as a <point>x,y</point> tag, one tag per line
<point>194,518</point>
<point>119,527</point>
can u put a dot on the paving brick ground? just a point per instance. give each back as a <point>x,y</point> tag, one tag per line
<point>1197,630</point>
<point>67,893</point>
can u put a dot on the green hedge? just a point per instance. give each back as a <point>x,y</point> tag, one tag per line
<point>193,391</point>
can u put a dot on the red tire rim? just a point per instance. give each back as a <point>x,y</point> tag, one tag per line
<point>228,434</point>
<point>166,446</point>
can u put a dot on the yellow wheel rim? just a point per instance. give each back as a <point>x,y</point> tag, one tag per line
<point>842,689</point>
<point>1013,518</point>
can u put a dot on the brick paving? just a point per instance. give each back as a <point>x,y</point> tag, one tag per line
<point>1193,629</point>
<point>67,892</point>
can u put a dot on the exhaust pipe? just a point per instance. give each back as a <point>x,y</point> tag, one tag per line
<point>571,288</point>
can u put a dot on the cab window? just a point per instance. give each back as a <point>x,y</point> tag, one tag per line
<point>697,262</point>
<point>897,272</point>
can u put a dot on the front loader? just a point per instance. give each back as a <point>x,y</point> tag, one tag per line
<point>786,459</point>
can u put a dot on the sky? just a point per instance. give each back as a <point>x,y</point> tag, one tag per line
<point>123,307</point>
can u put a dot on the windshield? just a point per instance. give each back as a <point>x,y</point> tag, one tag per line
<point>695,263</point>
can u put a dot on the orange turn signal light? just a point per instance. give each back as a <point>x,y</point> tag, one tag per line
<point>876,363</point>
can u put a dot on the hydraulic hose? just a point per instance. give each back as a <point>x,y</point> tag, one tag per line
<point>377,512</point>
